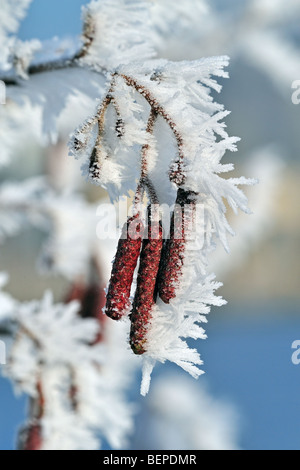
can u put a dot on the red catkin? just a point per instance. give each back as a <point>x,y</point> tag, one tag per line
<point>173,254</point>
<point>145,292</point>
<point>118,295</point>
<point>30,437</point>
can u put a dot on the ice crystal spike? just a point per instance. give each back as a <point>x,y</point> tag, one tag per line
<point>92,299</point>
<point>118,296</point>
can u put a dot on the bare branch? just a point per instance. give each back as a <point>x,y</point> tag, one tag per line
<point>88,36</point>
<point>35,69</point>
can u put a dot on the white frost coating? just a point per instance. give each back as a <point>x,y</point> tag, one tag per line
<point>198,120</point>
<point>58,328</point>
<point>172,324</point>
<point>108,20</point>
<point>122,41</point>
<point>12,13</point>
<point>180,93</point>
<point>63,429</point>
<point>60,98</point>
<point>101,408</point>
<point>51,347</point>
<point>23,53</point>
<point>119,158</point>
<point>101,398</point>
<point>53,351</point>
<point>182,89</point>
<point>199,123</point>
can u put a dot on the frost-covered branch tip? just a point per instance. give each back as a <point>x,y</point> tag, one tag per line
<point>60,359</point>
<point>174,290</point>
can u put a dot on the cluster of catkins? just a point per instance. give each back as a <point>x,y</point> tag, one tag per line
<point>159,252</point>
<point>160,266</point>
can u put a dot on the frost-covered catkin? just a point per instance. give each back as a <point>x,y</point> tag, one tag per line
<point>173,254</point>
<point>118,295</point>
<point>30,437</point>
<point>145,292</point>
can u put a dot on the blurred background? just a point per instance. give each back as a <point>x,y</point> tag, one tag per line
<point>250,393</point>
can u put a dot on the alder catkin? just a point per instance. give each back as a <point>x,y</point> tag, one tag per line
<point>146,282</point>
<point>30,437</point>
<point>173,253</point>
<point>129,247</point>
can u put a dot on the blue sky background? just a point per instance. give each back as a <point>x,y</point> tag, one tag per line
<point>47,19</point>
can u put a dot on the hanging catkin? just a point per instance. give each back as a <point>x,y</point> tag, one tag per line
<point>30,438</point>
<point>146,282</point>
<point>173,254</point>
<point>129,247</point>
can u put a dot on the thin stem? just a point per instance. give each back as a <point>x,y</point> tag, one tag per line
<point>35,69</point>
<point>73,392</point>
<point>88,35</point>
<point>94,159</point>
<point>145,181</point>
<point>37,405</point>
<point>179,177</point>
<point>147,146</point>
<point>151,191</point>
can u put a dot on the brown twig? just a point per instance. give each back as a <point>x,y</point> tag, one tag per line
<point>95,159</point>
<point>177,175</point>
<point>145,181</point>
<point>88,35</point>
